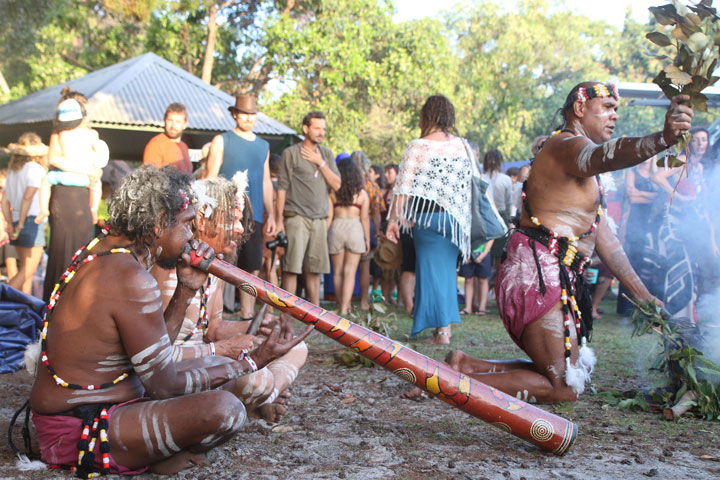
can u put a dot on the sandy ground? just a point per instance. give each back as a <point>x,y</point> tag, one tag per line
<point>349,423</point>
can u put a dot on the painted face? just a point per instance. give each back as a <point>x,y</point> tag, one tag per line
<point>699,143</point>
<point>599,119</point>
<point>175,124</point>
<point>245,121</point>
<point>316,131</point>
<point>174,238</point>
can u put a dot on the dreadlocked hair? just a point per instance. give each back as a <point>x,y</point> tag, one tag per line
<point>223,191</point>
<point>148,198</point>
<point>223,213</point>
<point>438,113</point>
<point>570,101</point>
<point>352,181</point>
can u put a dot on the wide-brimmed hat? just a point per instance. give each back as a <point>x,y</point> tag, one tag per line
<point>244,104</point>
<point>69,114</point>
<point>388,255</point>
<point>28,150</point>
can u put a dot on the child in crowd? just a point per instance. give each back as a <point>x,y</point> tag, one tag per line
<point>349,232</point>
<point>476,273</point>
<point>75,149</point>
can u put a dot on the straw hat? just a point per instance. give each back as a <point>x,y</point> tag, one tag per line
<point>28,150</point>
<point>388,255</point>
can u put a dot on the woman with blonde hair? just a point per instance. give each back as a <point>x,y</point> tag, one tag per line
<point>20,206</point>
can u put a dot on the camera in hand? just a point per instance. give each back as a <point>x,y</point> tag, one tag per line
<point>279,241</point>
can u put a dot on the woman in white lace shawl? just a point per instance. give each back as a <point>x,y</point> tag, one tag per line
<point>431,197</point>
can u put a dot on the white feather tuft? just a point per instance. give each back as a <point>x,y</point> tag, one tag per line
<point>240,179</point>
<point>587,358</point>
<point>25,464</point>
<point>205,203</point>
<point>32,357</point>
<point>575,377</point>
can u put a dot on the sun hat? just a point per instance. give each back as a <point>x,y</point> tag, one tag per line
<point>244,104</point>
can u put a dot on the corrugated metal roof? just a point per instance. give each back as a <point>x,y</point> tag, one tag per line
<point>135,93</point>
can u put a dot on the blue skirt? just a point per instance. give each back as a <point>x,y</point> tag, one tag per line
<point>436,303</point>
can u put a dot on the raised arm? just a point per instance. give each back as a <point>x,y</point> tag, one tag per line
<point>584,158</point>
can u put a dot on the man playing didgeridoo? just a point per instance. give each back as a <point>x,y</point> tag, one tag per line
<point>108,377</point>
<point>223,214</point>
<point>539,288</point>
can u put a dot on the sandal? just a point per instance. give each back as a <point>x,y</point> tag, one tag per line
<point>480,312</point>
<point>465,312</point>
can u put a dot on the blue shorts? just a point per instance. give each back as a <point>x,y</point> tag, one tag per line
<point>31,235</point>
<point>480,270</point>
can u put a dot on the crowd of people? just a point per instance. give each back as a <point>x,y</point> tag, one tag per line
<point>405,227</point>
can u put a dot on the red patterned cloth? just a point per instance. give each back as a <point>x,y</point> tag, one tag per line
<point>58,437</point>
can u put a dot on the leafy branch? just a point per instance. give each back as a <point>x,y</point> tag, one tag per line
<point>694,34</point>
<point>686,366</point>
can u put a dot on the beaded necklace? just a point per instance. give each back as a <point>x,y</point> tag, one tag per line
<point>565,249</point>
<point>65,278</point>
<point>202,317</point>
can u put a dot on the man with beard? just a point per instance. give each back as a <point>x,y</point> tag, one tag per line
<point>108,377</point>
<point>223,214</point>
<point>307,175</point>
<point>167,148</point>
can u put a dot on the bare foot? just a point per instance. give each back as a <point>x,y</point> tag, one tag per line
<point>415,393</point>
<point>454,359</point>
<point>365,307</point>
<point>178,462</point>
<point>272,412</point>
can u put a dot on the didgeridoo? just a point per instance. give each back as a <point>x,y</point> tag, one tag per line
<point>548,431</point>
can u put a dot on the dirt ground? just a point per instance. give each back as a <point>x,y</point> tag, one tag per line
<point>350,423</point>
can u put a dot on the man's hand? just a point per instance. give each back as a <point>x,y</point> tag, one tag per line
<point>279,226</point>
<point>189,276</point>
<point>270,228</point>
<point>677,119</point>
<point>312,156</point>
<point>233,346</point>
<point>274,347</point>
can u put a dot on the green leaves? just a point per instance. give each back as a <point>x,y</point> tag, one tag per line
<point>680,361</point>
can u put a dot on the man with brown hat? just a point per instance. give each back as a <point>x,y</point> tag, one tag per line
<point>241,150</point>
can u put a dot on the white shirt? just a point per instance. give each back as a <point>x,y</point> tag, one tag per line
<point>30,175</point>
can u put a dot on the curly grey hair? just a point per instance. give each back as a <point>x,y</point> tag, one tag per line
<point>148,198</point>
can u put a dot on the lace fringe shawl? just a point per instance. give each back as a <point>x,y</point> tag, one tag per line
<point>416,205</point>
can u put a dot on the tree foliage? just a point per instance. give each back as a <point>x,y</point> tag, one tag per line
<point>507,69</point>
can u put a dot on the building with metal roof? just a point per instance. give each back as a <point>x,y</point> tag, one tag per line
<point>126,104</point>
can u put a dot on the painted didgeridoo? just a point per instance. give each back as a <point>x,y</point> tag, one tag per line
<point>548,431</point>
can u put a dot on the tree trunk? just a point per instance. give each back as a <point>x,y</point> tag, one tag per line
<point>210,45</point>
<point>4,87</point>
